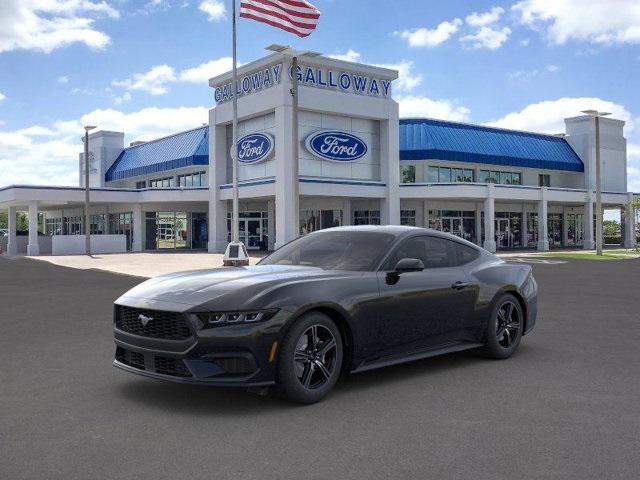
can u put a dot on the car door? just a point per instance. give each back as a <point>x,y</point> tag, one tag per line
<point>426,308</point>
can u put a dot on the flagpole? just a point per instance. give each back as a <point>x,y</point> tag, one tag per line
<point>235,234</point>
<point>296,145</point>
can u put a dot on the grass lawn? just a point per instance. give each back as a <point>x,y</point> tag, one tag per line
<point>606,255</point>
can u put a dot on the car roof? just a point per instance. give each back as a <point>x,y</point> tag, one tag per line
<point>398,231</point>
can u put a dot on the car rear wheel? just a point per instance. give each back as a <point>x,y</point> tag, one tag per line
<point>504,328</point>
<point>310,359</point>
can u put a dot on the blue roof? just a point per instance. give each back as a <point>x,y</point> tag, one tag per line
<point>426,139</point>
<point>180,150</point>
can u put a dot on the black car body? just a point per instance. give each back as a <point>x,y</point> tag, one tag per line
<point>226,326</point>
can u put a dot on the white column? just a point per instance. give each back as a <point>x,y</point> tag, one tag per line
<point>425,213</point>
<point>285,218</point>
<point>543,236</point>
<point>629,224</point>
<point>565,227</point>
<point>390,164</point>
<point>138,228</point>
<point>219,151</point>
<point>479,224</point>
<point>588,240</point>
<point>33,248</point>
<point>271,226</point>
<point>12,247</point>
<point>524,231</point>
<point>489,221</point>
<point>347,215</point>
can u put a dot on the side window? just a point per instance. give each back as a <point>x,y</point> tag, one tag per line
<point>464,254</point>
<point>440,253</point>
<point>414,247</point>
<point>434,252</point>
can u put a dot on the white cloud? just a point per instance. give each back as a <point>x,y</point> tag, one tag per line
<point>487,37</point>
<point>154,81</point>
<point>407,78</point>
<point>548,116</point>
<point>122,99</point>
<point>214,9</point>
<point>2,96</point>
<point>414,106</point>
<point>45,25</point>
<point>63,79</point>
<point>594,21</point>
<point>349,56</point>
<point>525,42</point>
<point>424,37</point>
<point>48,155</point>
<point>486,18</point>
<point>203,72</point>
<point>529,74</point>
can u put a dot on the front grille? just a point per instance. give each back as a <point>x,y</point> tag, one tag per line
<point>171,366</point>
<point>168,325</point>
<point>133,359</point>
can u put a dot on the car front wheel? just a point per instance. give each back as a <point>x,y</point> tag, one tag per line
<point>310,359</point>
<point>504,328</point>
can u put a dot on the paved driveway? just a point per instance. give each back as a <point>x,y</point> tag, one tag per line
<point>565,406</point>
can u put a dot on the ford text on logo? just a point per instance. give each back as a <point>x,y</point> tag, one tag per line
<point>336,146</point>
<point>255,147</point>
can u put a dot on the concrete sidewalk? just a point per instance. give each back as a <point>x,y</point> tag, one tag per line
<point>141,264</point>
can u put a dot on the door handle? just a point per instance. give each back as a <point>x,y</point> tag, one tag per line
<point>460,285</point>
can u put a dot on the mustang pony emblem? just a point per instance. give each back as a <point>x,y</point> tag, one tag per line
<point>144,319</point>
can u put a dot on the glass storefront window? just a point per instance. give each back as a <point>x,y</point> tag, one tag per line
<point>175,230</point>
<point>312,220</point>
<point>408,217</point>
<point>458,222</point>
<point>555,229</point>
<point>504,178</point>
<point>444,175</point>
<point>432,174</point>
<point>408,174</point>
<point>366,217</point>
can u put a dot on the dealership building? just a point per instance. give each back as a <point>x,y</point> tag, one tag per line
<point>359,163</point>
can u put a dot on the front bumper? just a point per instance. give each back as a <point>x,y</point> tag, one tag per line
<point>235,355</point>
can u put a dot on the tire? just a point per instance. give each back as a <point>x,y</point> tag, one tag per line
<point>502,342</point>
<point>308,369</point>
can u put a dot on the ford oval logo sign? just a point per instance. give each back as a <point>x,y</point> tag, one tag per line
<point>336,146</point>
<point>255,148</point>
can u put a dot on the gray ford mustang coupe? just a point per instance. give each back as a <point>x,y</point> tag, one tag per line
<point>345,299</point>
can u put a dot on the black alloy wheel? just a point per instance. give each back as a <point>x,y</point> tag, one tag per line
<point>504,327</point>
<point>315,357</point>
<point>310,359</point>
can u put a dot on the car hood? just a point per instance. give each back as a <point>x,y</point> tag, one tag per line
<point>189,289</point>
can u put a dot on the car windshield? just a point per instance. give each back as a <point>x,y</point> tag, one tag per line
<point>334,250</point>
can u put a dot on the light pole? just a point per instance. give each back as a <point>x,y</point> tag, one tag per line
<point>87,218</point>
<point>596,115</point>
<point>295,147</point>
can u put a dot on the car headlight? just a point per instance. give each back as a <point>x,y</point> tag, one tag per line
<point>220,319</point>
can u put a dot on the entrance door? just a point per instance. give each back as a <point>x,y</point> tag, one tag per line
<point>504,238</point>
<point>253,234</point>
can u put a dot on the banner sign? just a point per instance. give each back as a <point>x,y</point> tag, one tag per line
<point>255,148</point>
<point>342,81</point>
<point>336,146</point>
<point>309,76</point>
<point>253,82</point>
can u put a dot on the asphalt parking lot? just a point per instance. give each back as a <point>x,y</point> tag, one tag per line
<point>566,406</point>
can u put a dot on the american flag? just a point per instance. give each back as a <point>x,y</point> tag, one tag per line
<point>295,16</point>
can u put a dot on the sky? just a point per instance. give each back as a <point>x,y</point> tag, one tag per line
<point>142,66</point>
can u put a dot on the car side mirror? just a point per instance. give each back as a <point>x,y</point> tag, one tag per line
<point>409,265</point>
<point>403,266</point>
